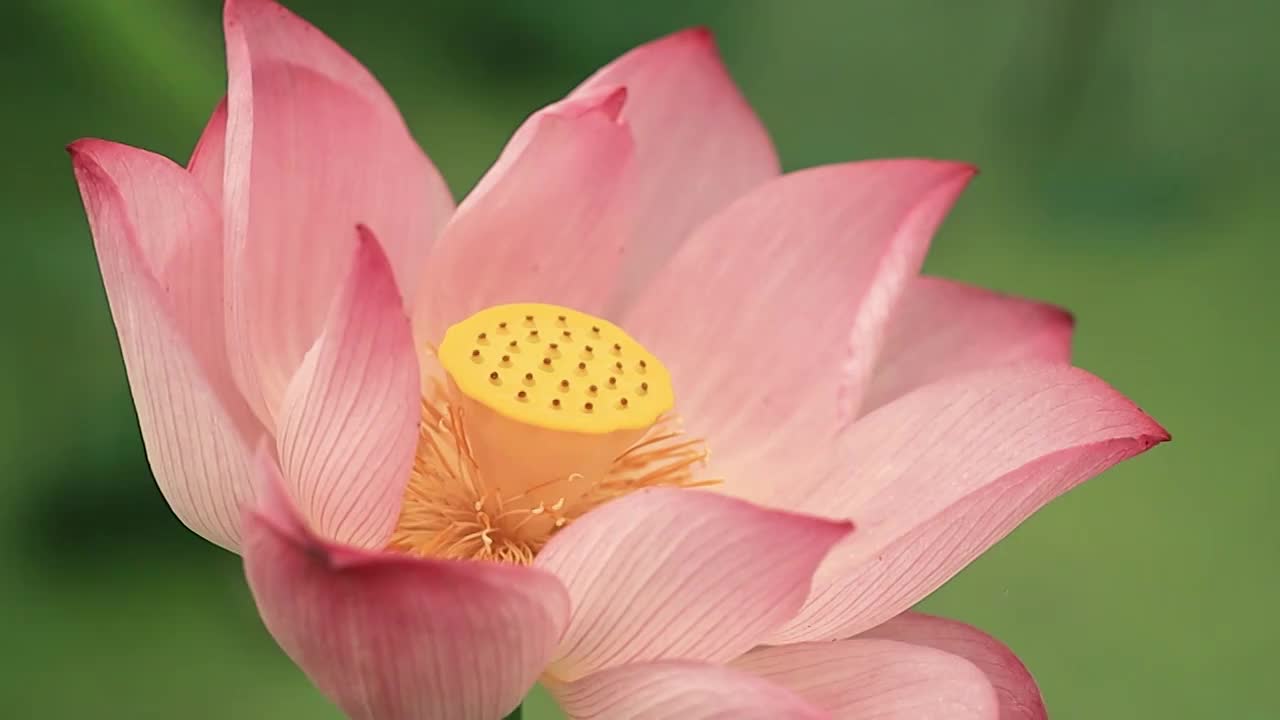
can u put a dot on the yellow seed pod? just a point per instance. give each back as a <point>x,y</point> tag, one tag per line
<point>556,368</point>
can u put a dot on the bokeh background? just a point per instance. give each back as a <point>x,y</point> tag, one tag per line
<point>1129,156</point>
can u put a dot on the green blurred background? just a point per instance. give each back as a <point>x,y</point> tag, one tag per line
<point>1128,151</point>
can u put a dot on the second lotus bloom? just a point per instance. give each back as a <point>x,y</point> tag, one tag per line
<point>642,418</point>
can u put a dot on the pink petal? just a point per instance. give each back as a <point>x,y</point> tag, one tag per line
<point>880,679</point>
<point>349,426</point>
<point>704,577</point>
<point>1015,688</point>
<point>548,223</point>
<point>208,160</point>
<point>938,476</point>
<point>179,233</point>
<point>143,226</point>
<point>679,690</point>
<point>699,145</point>
<point>771,316</point>
<point>942,328</point>
<point>313,147</point>
<point>387,636</point>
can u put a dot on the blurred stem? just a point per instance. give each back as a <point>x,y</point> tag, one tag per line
<point>517,713</point>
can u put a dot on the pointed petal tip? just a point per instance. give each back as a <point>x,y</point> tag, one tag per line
<point>1147,431</point>
<point>107,158</point>
<point>234,10</point>
<point>1160,435</point>
<point>82,162</point>
<point>957,171</point>
<point>1059,323</point>
<point>959,168</point>
<point>963,169</point>
<point>94,178</point>
<point>1151,432</point>
<point>83,150</point>
<point>373,264</point>
<point>832,530</point>
<point>608,101</point>
<point>369,249</point>
<point>942,172</point>
<point>77,147</point>
<point>700,36</point>
<point>613,102</point>
<point>1064,316</point>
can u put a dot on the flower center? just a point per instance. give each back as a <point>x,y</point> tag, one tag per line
<point>544,413</point>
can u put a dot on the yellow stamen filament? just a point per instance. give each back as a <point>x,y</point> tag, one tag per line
<point>513,449</point>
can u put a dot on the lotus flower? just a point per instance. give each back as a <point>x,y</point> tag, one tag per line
<point>608,423</point>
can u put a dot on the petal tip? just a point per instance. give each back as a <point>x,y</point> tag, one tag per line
<point>84,150</point>
<point>1146,431</point>
<point>108,158</point>
<point>1160,435</point>
<point>1063,316</point>
<point>692,44</point>
<point>960,171</point>
<point>368,241</point>
<point>613,102</point>
<point>607,101</point>
<point>373,264</point>
<point>235,10</point>
<point>82,162</point>
<point>1157,433</point>
<point>77,147</point>
<point>840,529</point>
<point>696,35</point>
<point>956,168</point>
<point>1152,433</point>
<point>372,261</point>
